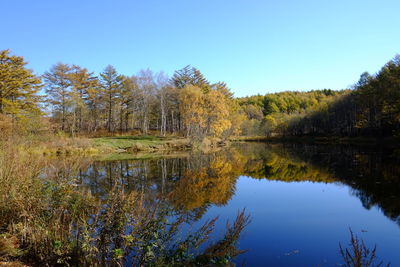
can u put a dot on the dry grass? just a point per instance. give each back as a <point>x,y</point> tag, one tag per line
<point>47,219</point>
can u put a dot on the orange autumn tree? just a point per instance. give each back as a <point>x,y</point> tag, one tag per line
<point>207,113</point>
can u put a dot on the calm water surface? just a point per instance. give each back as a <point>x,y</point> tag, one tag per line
<point>302,198</point>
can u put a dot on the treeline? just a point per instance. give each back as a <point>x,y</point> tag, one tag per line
<point>273,114</point>
<point>187,104</point>
<point>370,108</point>
<point>80,102</point>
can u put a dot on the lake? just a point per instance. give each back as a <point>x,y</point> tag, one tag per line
<point>303,199</point>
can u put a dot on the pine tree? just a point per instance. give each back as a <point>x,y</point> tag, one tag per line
<point>58,89</point>
<point>19,87</point>
<point>82,82</point>
<point>111,83</point>
<point>190,76</point>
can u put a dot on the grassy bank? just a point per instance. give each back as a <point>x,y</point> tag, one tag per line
<point>140,143</point>
<point>112,146</point>
<point>149,146</point>
<point>55,145</point>
<point>154,144</point>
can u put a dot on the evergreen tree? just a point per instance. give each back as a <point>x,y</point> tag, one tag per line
<point>111,83</point>
<point>19,87</point>
<point>190,76</point>
<point>58,88</point>
<point>82,82</point>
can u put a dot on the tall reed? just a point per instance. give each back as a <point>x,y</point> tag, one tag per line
<point>48,218</point>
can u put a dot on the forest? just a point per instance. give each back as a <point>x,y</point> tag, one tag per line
<point>369,108</point>
<point>73,100</point>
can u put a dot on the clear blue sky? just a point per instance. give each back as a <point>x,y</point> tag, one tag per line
<point>254,46</point>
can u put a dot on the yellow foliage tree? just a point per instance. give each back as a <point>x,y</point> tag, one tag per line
<point>209,113</point>
<point>217,107</point>
<point>18,87</point>
<point>192,109</point>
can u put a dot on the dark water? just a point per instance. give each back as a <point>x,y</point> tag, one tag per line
<point>302,198</point>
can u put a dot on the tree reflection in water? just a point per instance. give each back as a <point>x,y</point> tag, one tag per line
<point>191,183</point>
<point>119,211</point>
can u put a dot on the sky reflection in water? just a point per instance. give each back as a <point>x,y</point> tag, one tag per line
<point>302,199</point>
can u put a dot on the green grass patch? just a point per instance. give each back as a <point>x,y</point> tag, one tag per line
<point>139,143</point>
<point>124,142</point>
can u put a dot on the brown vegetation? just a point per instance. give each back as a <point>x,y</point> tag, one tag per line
<point>48,218</point>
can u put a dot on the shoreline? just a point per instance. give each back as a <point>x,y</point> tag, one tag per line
<point>322,140</point>
<point>148,145</point>
<point>112,146</point>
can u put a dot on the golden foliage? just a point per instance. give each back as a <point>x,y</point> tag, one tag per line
<point>213,183</point>
<point>18,87</point>
<point>208,113</point>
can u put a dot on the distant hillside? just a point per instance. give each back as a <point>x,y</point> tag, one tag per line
<point>270,113</point>
<point>370,108</point>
